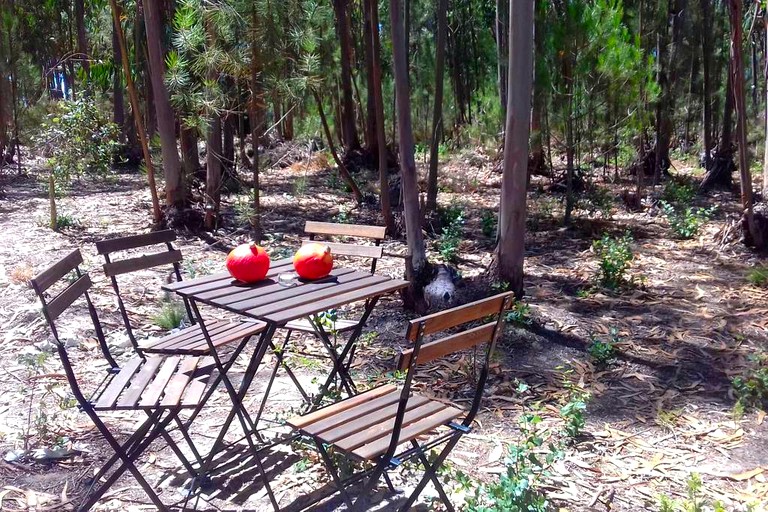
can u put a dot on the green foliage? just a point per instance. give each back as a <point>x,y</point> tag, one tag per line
<point>758,276</point>
<point>751,387</point>
<point>80,139</point>
<point>529,460</point>
<point>170,316</point>
<point>686,221</point>
<point>694,502</point>
<point>520,314</point>
<point>678,192</point>
<point>488,223</point>
<point>451,220</point>
<point>603,352</point>
<point>598,200</point>
<point>615,255</point>
<point>300,185</point>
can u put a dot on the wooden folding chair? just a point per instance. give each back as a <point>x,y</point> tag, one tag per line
<point>371,426</point>
<point>202,338</point>
<point>190,341</point>
<point>337,325</point>
<point>160,387</point>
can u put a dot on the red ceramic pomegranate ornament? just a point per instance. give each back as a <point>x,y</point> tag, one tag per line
<point>313,261</point>
<point>248,263</point>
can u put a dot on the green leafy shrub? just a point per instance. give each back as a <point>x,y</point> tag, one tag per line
<point>678,192</point>
<point>597,200</point>
<point>488,223</point>
<point>686,222</point>
<point>758,276</point>
<point>694,502</point>
<point>451,220</point>
<point>603,352</point>
<point>170,315</point>
<point>615,254</point>
<point>520,314</point>
<point>751,388</point>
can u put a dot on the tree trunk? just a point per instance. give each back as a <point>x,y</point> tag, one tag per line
<point>135,108</point>
<point>82,41</point>
<point>437,114</point>
<point>190,157</point>
<point>256,115</point>
<point>765,154</point>
<point>118,100</point>
<point>371,139</point>
<point>502,50</point>
<point>213,172</point>
<point>752,234</point>
<point>381,137</point>
<point>332,147</point>
<point>348,126</point>
<point>174,186</point>
<point>417,266</point>
<point>706,96</point>
<point>228,147</point>
<point>511,248</point>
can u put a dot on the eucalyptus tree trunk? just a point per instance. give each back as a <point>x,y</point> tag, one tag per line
<point>737,70</point>
<point>437,115</point>
<point>381,137</point>
<point>765,155</point>
<point>371,139</point>
<point>166,124</point>
<point>82,41</point>
<point>502,50</point>
<point>136,110</point>
<point>5,95</point>
<point>118,100</point>
<point>348,126</point>
<point>213,160</point>
<point>418,269</point>
<point>706,90</point>
<point>511,247</point>
<point>256,117</point>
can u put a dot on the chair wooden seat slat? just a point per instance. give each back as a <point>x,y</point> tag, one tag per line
<point>155,389</point>
<point>372,426</point>
<point>365,426</point>
<point>117,384</point>
<point>131,397</point>
<point>351,414</point>
<point>411,431</point>
<point>174,390</point>
<point>192,340</point>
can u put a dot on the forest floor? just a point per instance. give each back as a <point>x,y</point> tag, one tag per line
<point>661,411</point>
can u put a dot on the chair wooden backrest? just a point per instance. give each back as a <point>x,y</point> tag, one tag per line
<point>114,268</point>
<point>54,304</point>
<point>489,311</point>
<point>330,229</point>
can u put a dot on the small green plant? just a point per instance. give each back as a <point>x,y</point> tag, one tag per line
<point>520,314</point>
<point>686,222</point>
<point>678,192</point>
<point>245,213</point>
<point>343,217</point>
<point>65,220</point>
<point>488,223</point>
<point>276,247</point>
<point>300,185</point>
<point>598,200</point>
<point>751,387</point>
<point>758,276</point>
<point>518,489</point>
<point>694,502</point>
<point>615,254</point>
<point>451,221</point>
<point>603,352</point>
<point>170,316</point>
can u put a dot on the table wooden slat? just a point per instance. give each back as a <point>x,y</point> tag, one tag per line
<point>335,301</point>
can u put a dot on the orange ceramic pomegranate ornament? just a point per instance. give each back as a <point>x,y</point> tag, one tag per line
<point>313,261</point>
<point>248,263</point>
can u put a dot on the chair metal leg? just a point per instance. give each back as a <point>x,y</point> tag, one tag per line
<point>426,478</point>
<point>334,475</point>
<point>127,458</point>
<point>431,472</point>
<point>280,361</point>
